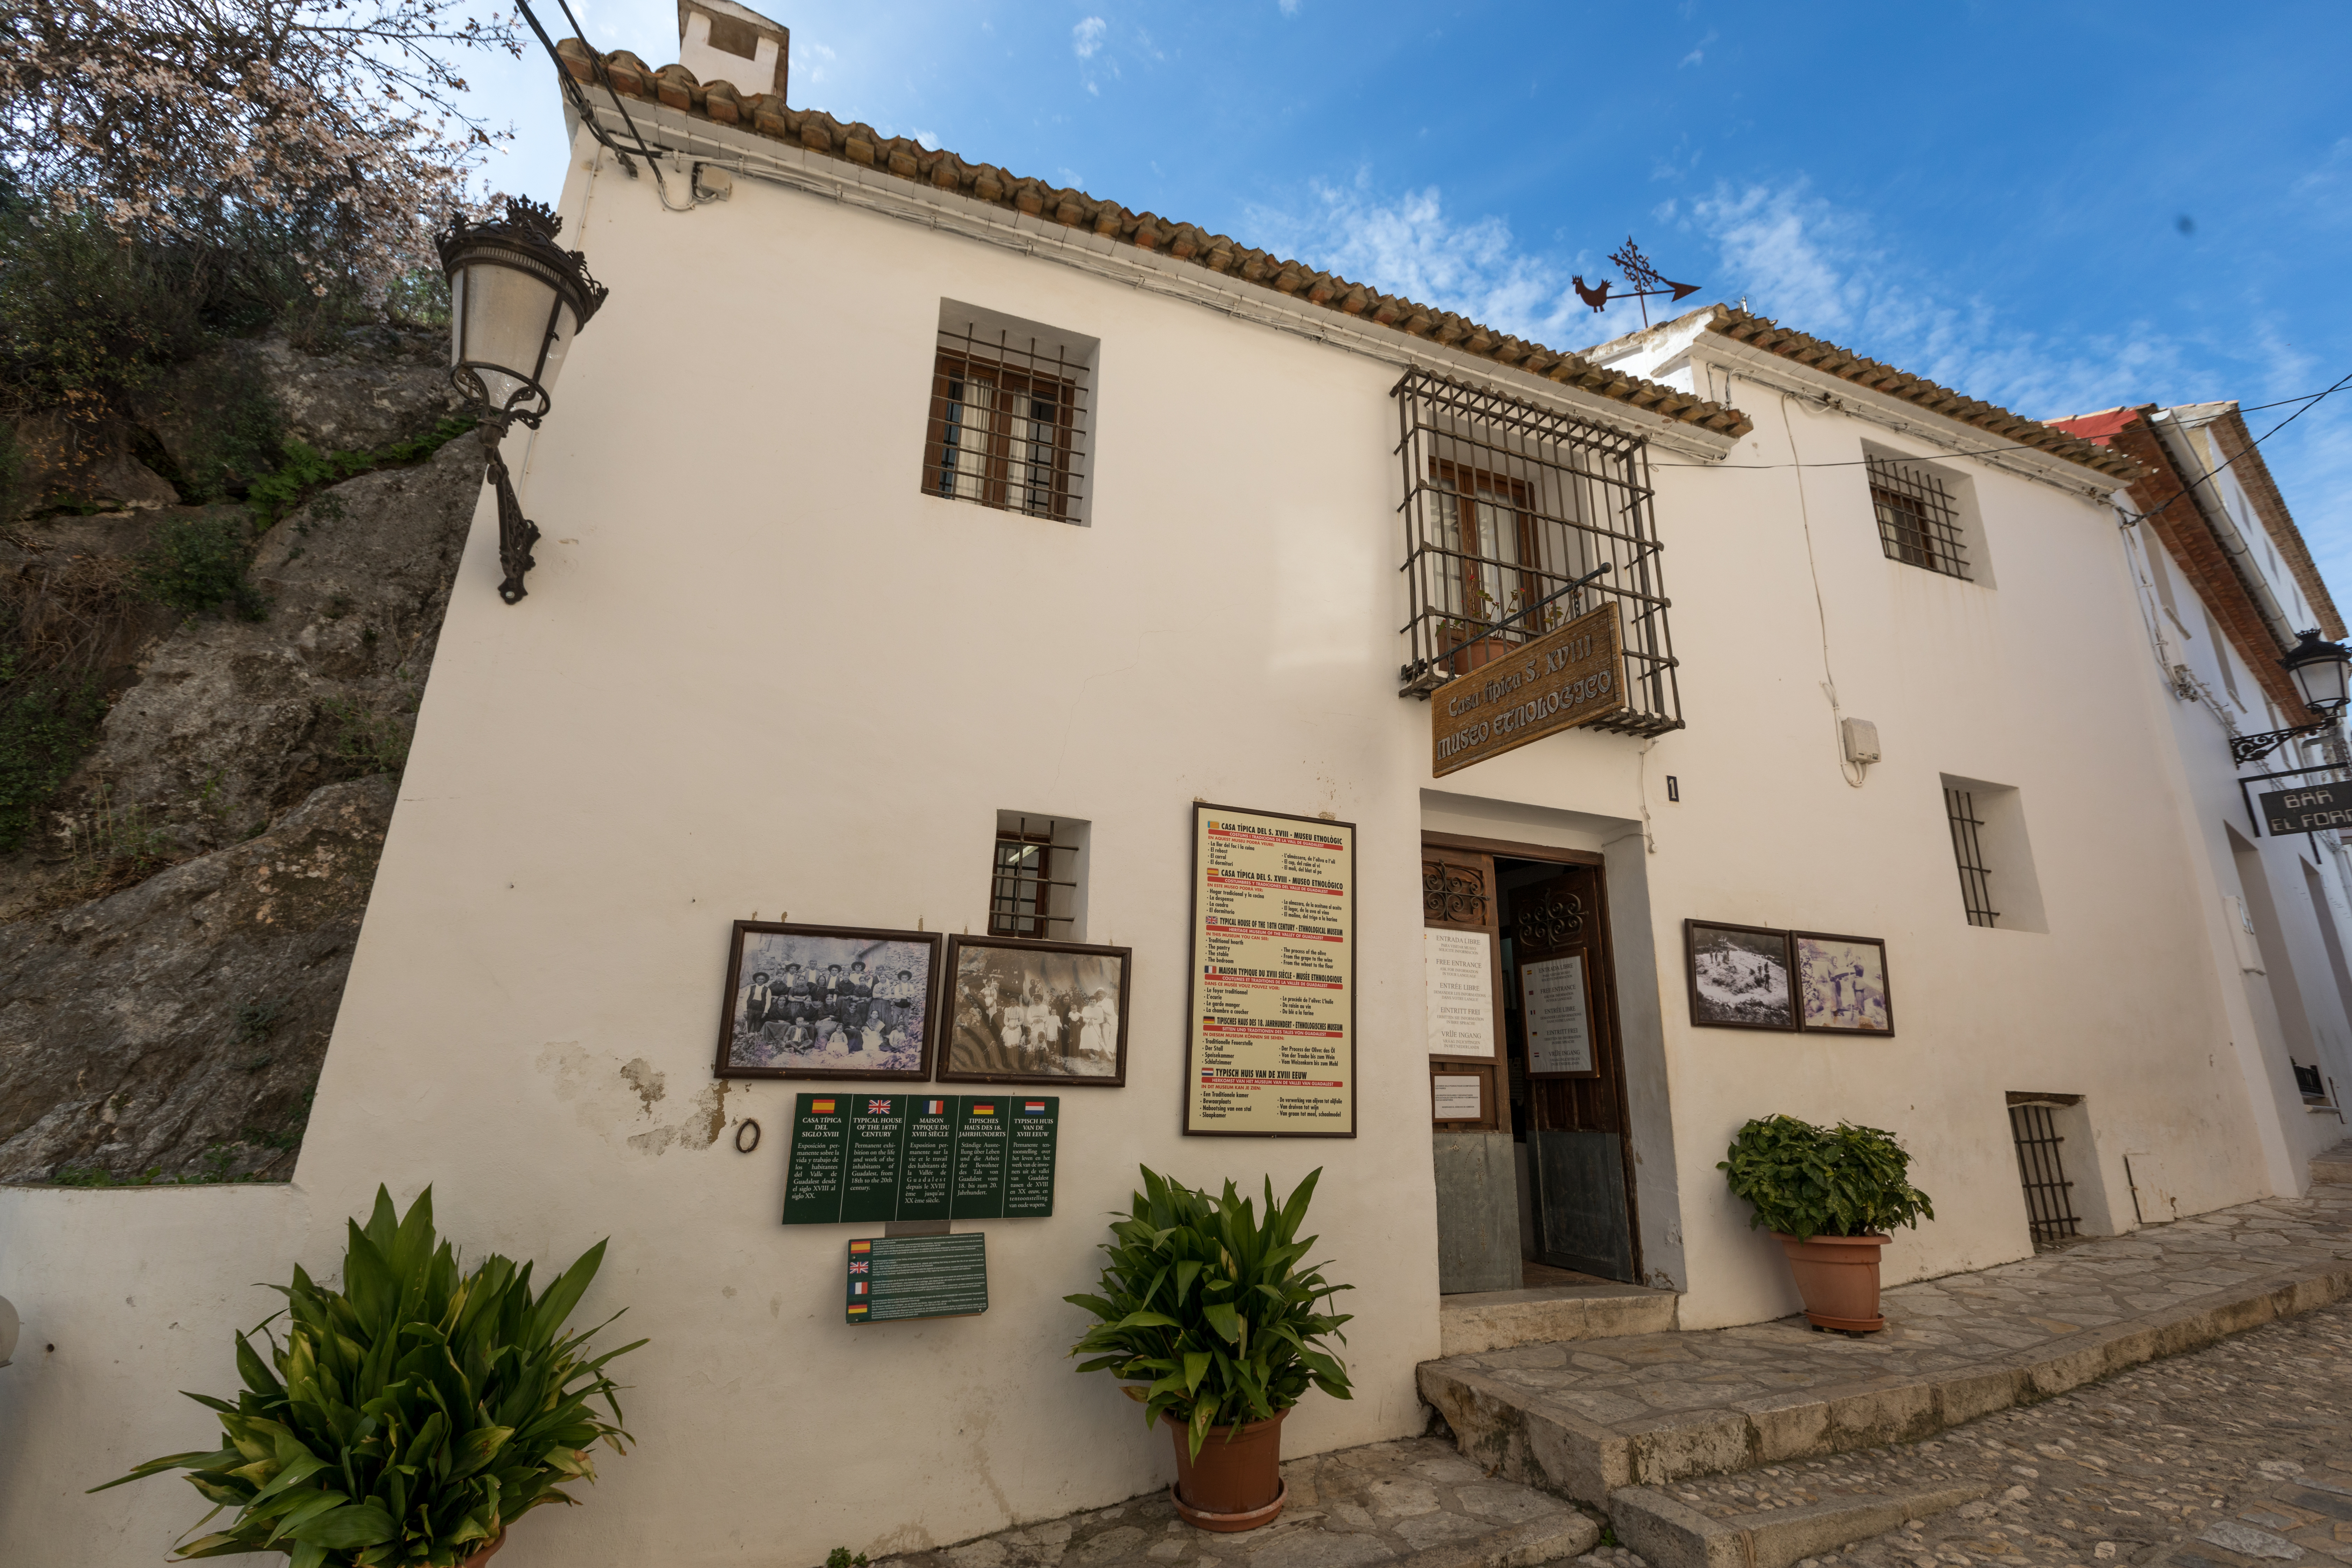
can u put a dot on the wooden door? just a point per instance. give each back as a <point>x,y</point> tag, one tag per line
<point>1577,1151</point>
<point>1457,896</point>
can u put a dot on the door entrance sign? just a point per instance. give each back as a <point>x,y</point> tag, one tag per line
<point>1561,681</point>
<point>860,1158</point>
<point>2315,809</point>
<point>918,1276</point>
<point>1271,1045</point>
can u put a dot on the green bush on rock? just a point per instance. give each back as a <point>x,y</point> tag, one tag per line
<point>409,1417</point>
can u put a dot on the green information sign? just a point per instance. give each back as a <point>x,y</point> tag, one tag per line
<point>861,1158</point>
<point>918,1276</point>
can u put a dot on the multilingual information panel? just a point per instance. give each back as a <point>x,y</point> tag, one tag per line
<point>864,1157</point>
<point>1272,1042</point>
<point>918,1276</point>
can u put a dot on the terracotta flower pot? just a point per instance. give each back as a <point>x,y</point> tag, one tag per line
<point>1838,1277</point>
<point>1234,1485</point>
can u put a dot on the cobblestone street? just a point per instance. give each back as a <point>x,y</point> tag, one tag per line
<point>2239,1453</point>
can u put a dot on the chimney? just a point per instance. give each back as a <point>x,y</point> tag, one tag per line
<point>718,40</point>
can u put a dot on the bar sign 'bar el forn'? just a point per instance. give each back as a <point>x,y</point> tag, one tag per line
<point>2314,809</point>
<point>1561,681</point>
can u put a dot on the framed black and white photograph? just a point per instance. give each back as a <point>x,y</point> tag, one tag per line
<point>1841,984</point>
<point>1740,976</point>
<point>1034,1012</point>
<point>828,1001</point>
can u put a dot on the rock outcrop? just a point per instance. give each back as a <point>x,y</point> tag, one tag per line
<point>180,1024</point>
<point>244,769</point>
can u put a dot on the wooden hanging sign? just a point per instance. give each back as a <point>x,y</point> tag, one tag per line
<point>1561,681</point>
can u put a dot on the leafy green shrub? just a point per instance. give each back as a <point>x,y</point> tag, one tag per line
<point>45,724</point>
<point>1208,1305</point>
<point>364,740</point>
<point>234,429</point>
<point>410,1417</point>
<point>84,319</point>
<point>306,469</point>
<point>1807,1181</point>
<point>199,564</point>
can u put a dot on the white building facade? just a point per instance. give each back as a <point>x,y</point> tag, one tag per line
<point>786,655</point>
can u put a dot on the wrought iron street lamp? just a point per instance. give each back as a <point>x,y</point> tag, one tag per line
<point>2322,673</point>
<point>516,297</point>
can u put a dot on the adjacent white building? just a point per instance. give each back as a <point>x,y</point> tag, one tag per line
<point>894,504</point>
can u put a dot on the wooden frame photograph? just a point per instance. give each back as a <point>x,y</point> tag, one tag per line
<point>1740,977</point>
<point>1016,1010</point>
<point>829,1002</point>
<point>1842,986</point>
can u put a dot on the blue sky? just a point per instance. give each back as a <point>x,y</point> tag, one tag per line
<point>2059,209</point>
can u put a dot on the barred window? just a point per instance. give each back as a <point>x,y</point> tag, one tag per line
<point>1519,520</point>
<point>1026,896</point>
<point>1968,850</point>
<point>1918,520</point>
<point>1008,422</point>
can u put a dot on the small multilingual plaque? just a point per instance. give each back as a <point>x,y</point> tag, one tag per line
<point>918,1276</point>
<point>862,1158</point>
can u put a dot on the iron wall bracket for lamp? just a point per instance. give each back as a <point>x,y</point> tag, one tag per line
<point>2246,749</point>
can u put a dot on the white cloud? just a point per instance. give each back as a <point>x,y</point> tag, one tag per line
<point>1087,36</point>
<point>1287,8</point>
<point>1698,55</point>
<point>1407,245</point>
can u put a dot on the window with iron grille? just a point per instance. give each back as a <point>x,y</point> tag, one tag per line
<point>1967,849</point>
<point>1918,517</point>
<point>1008,421</point>
<point>2049,1195</point>
<point>1023,887</point>
<point>1516,521</point>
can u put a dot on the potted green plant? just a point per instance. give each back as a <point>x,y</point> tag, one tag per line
<point>1207,1309</point>
<point>1828,1195</point>
<point>411,1416</point>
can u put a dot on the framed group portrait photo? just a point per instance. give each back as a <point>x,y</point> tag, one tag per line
<point>1841,984</point>
<point>829,1002</point>
<point>1740,977</point>
<point>1018,1010</point>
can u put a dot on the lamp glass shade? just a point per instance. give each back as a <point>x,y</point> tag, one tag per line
<point>508,325</point>
<point>2322,672</point>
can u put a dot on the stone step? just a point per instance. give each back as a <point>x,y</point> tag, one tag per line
<point>2332,1166</point>
<point>1498,1320</point>
<point>1588,1417</point>
<point>1671,1533</point>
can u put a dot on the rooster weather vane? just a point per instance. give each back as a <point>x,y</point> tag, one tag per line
<point>1643,278</point>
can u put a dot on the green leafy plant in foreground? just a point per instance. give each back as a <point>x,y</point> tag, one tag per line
<point>411,1416</point>
<point>1208,1306</point>
<point>1807,1181</point>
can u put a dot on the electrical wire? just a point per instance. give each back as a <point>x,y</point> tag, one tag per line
<point>2307,401</point>
<point>1820,606</point>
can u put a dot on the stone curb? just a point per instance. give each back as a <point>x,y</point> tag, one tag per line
<point>1672,1534</point>
<point>1527,1435</point>
<point>1498,1320</point>
<point>1528,1545</point>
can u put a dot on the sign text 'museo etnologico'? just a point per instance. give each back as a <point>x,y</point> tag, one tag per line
<point>1561,681</point>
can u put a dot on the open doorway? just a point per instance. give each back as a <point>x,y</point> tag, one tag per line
<point>1550,1063</point>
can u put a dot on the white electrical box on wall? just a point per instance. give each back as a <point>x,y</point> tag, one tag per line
<point>1861,740</point>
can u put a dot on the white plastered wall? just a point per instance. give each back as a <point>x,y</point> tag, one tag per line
<point>758,673</point>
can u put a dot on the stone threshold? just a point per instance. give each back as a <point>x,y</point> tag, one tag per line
<point>1533,1435</point>
<point>1672,1534</point>
<point>1547,1314</point>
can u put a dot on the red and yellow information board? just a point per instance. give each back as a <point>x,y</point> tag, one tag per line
<point>1272,1047</point>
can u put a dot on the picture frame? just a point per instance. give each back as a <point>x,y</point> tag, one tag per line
<point>871,1010</point>
<point>1018,1010</point>
<point>1841,981</point>
<point>1741,976</point>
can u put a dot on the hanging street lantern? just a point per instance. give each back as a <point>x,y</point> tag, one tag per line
<point>516,298</point>
<point>2322,673</point>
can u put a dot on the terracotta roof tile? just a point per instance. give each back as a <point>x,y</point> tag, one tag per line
<point>766,115</point>
<point>1807,350</point>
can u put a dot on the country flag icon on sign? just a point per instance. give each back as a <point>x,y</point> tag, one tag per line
<point>935,1107</point>
<point>984,1110</point>
<point>860,1266</point>
<point>877,1108</point>
<point>821,1107</point>
<point>858,1311</point>
<point>857,1249</point>
<point>1032,1107</point>
<point>857,1287</point>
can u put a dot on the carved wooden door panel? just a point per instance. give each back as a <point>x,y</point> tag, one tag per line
<point>1462,928</point>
